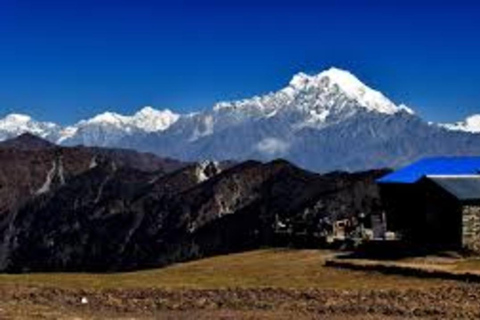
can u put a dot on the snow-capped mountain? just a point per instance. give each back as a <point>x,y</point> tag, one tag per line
<point>332,94</point>
<point>16,124</point>
<point>322,122</point>
<point>278,124</point>
<point>109,128</point>
<point>102,129</point>
<point>470,124</point>
<point>147,119</point>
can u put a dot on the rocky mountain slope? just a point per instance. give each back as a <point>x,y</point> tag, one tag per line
<point>329,121</point>
<point>97,210</point>
<point>31,166</point>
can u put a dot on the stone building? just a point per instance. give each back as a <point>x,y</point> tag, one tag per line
<point>435,202</point>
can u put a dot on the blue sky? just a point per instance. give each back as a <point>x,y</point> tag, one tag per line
<point>67,60</point>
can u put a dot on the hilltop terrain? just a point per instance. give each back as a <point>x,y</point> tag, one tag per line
<point>93,209</point>
<point>266,284</point>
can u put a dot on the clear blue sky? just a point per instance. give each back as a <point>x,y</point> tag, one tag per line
<point>66,60</point>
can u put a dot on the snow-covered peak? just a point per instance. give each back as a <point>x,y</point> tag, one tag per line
<point>355,89</point>
<point>300,81</point>
<point>15,124</point>
<point>146,119</point>
<point>149,111</point>
<point>405,108</point>
<point>66,133</point>
<point>470,124</point>
<point>16,118</point>
<point>151,120</point>
<point>331,91</point>
<point>110,127</point>
<point>107,118</point>
<point>340,81</point>
<point>344,79</point>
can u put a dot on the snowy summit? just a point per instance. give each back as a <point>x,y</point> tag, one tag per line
<point>343,82</point>
<point>322,122</point>
<point>470,124</point>
<point>331,91</point>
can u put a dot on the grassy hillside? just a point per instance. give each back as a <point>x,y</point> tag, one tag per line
<point>275,268</point>
<point>262,284</point>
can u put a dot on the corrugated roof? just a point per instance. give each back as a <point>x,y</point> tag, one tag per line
<point>463,188</point>
<point>434,166</point>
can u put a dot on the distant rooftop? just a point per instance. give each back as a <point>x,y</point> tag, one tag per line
<point>438,166</point>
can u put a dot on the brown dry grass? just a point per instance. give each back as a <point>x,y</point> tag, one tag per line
<point>263,284</point>
<point>280,268</point>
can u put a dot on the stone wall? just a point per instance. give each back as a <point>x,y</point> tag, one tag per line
<point>471,227</point>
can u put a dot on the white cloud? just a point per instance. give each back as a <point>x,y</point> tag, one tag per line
<point>272,146</point>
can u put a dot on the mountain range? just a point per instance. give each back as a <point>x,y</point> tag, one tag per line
<point>324,122</point>
<point>98,209</point>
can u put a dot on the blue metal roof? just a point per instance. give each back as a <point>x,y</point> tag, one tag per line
<point>433,166</point>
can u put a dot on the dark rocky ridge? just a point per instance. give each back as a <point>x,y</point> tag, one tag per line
<point>27,141</point>
<point>119,214</point>
<point>27,160</point>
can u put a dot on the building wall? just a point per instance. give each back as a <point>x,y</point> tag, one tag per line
<point>404,210</point>
<point>423,214</point>
<point>471,227</point>
<point>443,217</point>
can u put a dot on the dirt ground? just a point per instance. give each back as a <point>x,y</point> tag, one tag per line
<point>448,302</point>
<point>276,285</point>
